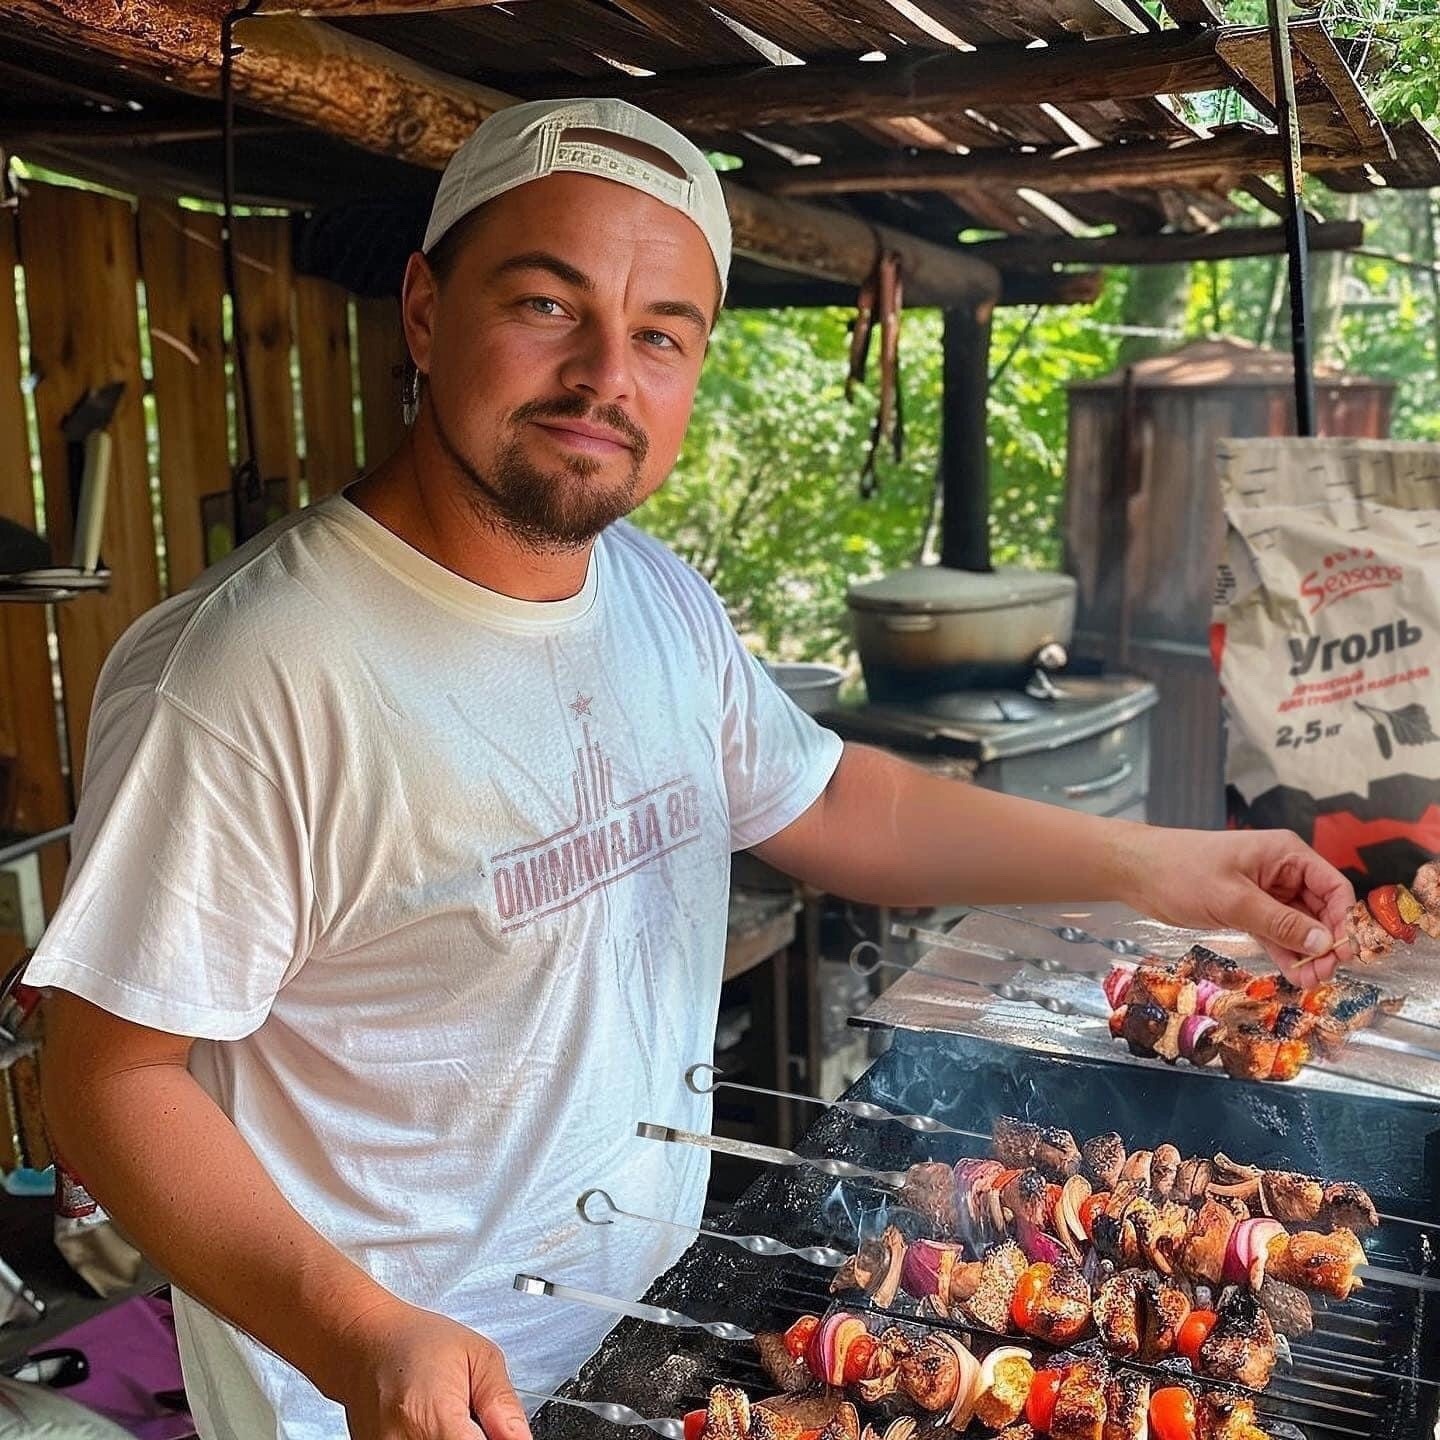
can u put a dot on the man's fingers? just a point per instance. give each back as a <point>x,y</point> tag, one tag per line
<point>498,1408</point>
<point>1288,934</point>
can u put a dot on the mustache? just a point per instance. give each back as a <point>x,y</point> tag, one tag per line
<point>576,407</point>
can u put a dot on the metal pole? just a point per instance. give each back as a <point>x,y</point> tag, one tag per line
<point>1287,120</point>
<point>31,843</point>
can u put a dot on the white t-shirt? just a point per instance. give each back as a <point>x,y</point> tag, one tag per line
<point>439,880</point>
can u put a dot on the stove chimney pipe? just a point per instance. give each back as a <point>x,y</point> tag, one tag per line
<point>964,441</point>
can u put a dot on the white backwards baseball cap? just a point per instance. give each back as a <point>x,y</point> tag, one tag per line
<point>527,142</point>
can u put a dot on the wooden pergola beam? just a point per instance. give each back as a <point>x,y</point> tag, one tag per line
<point>1229,243</point>
<point>365,9</point>
<point>1220,162</point>
<point>1132,67</point>
<point>311,73</point>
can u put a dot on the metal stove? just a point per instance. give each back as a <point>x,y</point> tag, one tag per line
<point>1082,741</point>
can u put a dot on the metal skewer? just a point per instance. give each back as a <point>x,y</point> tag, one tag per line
<point>772,1155</point>
<point>1071,934</point>
<point>635,1309</point>
<point>821,1255</point>
<point>863,1108</point>
<point>612,1412</point>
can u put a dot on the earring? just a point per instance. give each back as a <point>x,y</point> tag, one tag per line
<point>410,393</point>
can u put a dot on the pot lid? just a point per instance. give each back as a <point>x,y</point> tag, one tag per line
<point>937,588</point>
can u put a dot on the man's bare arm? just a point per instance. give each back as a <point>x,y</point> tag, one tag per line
<point>185,1186</point>
<point>888,832</point>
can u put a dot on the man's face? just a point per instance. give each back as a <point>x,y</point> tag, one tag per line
<point>562,351</point>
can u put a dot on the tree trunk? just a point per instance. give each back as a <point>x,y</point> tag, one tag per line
<point>1155,300</point>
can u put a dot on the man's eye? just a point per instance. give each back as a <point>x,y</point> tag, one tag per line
<point>659,339</point>
<point>544,305</point>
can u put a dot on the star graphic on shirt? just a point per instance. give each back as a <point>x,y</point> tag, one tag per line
<point>580,705</point>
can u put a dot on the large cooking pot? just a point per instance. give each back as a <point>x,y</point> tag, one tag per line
<point>929,628</point>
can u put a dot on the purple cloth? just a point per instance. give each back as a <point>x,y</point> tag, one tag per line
<point>133,1356</point>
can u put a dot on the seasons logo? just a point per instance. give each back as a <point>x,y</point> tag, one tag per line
<point>1347,572</point>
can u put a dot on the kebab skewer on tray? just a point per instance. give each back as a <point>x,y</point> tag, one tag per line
<point>1205,1007</point>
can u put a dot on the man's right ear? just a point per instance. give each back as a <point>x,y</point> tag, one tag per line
<point>417,308</point>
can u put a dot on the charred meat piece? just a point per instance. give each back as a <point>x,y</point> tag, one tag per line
<point>1138,1223</point>
<point>1118,1312</point>
<point>1022,1431</point>
<point>1061,1308</point>
<point>929,1191</point>
<point>1371,941</point>
<point>931,1376</point>
<point>1080,1403</point>
<point>1027,1198</point>
<point>1145,1023</point>
<point>727,1414</point>
<point>784,1370</point>
<point>1192,1179</point>
<point>1000,1272</point>
<point>1322,1263</point>
<point>1290,1196</point>
<point>1199,963</point>
<point>1202,1256</point>
<point>1345,1206</point>
<point>1426,889</point>
<point>1289,1309</point>
<point>1057,1155</point>
<point>1103,1158</point>
<point>1164,1171</point>
<point>1137,1167</point>
<point>794,1417</point>
<point>1014,1141</point>
<point>1241,1347</point>
<point>1249,1051</point>
<point>1354,1003</point>
<point>1227,1415</point>
<point>965,1281</point>
<point>1165,1307</point>
<point>1166,988</point>
<point>1127,1407</point>
<point>875,1268</point>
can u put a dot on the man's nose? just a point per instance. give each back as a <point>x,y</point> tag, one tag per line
<point>600,364</point>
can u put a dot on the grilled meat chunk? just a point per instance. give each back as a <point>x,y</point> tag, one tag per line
<point>1027,1198</point>
<point>1127,1407</point>
<point>1345,1206</point>
<point>1137,1167</point>
<point>931,1376</point>
<point>1248,1051</point>
<point>1164,1171</point>
<point>1202,1256</point>
<point>792,1417</point>
<point>1165,1307</point>
<point>1426,889</point>
<point>1371,941</point>
<point>1241,1347</point>
<point>1014,1141</point>
<point>929,1191</point>
<point>1119,1314</point>
<point>1291,1197</point>
<point>1023,1431</point>
<point>1289,1309</point>
<point>1103,1158</point>
<point>1199,963</point>
<point>1061,1311</point>
<point>785,1372</point>
<point>1000,1272</point>
<point>1164,987</point>
<point>1057,1155</point>
<point>875,1268</point>
<point>1192,1180</point>
<point>1080,1403</point>
<point>1144,1025</point>
<point>1321,1263</point>
<point>727,1415</point>
<point>1226,1415</point>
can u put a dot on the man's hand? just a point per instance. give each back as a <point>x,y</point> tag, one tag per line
<point>403,1373</point>
<point>1267,882</point>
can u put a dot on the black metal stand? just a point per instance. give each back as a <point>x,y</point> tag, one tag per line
<point>1287,120</point>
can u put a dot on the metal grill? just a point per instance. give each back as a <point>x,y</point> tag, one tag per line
<point>1371,1368</point>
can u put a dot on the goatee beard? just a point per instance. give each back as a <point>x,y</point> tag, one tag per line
<point>554,509</point>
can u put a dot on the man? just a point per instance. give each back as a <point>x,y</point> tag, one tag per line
<point>399,890</point>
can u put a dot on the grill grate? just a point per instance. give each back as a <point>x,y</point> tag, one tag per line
<point>1370,1369</point>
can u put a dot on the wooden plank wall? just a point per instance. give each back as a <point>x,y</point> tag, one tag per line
<point>83,300</point>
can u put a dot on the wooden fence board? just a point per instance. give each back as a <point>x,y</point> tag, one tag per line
<point>28,735</point>
<point>264,278</point>
<point>184,286</point>
<point>381,343</point>
<point>322,329</point>
<point>81,270</point>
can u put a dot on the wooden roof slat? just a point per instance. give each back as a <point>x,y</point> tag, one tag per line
<point>1040,19</point>
<point>600,31</point>
<point>1414,166</point>
<point>1334,113</point>
<point>1194,12</point>
<point>1136,66</point>
<point>692,25</point>
<point>807,27</point>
